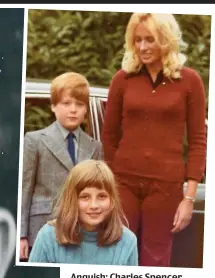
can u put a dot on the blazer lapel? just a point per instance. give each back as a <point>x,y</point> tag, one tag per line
<point>86,147</point>
<point>54,141</point>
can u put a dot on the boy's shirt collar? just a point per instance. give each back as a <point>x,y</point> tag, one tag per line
<point>65,131</point>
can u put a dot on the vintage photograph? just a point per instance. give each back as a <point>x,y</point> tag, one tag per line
<point>115,138</point>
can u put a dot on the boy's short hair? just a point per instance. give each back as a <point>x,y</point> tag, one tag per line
<point>74,83</point>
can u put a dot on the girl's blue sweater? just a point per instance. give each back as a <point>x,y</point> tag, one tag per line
<point>46,249</point>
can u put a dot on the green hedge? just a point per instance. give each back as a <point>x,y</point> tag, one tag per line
<point>92,43</point>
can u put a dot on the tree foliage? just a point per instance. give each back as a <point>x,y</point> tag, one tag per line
<point>92,43</point>
<point>87,42</point>
<point>197,34</point>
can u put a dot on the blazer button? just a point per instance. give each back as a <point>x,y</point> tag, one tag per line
<point>153,91</point>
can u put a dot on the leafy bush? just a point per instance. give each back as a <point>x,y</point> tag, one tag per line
<point>90,43</point>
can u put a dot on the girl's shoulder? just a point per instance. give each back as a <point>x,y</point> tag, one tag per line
<point>128,235</point>
<point>47,230</point>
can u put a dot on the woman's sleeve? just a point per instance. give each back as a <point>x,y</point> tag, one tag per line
<point>111,131</point>
<point>40,250</point>
<point>196,129</point>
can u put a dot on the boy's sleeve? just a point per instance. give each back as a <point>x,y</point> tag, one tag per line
<point>40,250</point>
<point>100,153</point>
<point>30,163</point>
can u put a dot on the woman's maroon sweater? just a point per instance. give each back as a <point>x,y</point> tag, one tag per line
<point>144,127</point>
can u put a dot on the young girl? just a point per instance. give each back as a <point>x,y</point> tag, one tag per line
<point>88,228</point>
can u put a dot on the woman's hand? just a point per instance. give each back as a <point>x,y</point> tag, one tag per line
<point>183,215</point>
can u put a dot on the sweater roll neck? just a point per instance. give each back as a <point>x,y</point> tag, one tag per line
<point>89,236</point>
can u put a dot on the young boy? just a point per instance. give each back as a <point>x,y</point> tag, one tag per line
<point>50,153</point>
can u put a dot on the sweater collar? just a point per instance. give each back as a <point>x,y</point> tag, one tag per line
<point>89,236</point>
<point>144,71</point>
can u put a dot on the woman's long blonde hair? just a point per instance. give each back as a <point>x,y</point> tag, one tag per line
<point>167,35</point>
<point>88,173</point>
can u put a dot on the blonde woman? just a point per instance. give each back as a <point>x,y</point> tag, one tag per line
<point>88,228</point>
<point>151,101</point>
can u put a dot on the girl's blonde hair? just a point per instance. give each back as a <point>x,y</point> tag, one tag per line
<point>167,35</point>
<point>88,173</point>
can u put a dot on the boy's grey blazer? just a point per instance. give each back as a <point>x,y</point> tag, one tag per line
<point>46,164</point>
